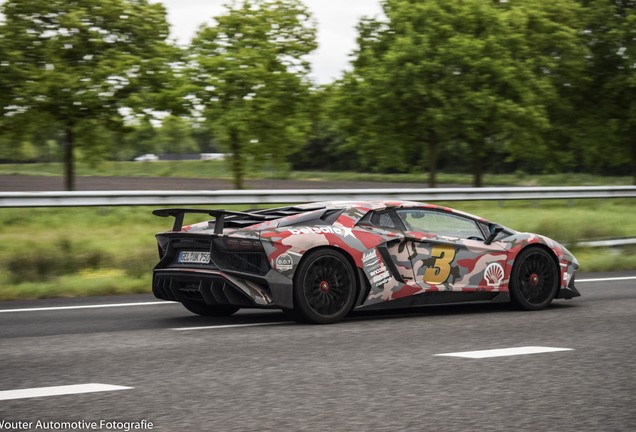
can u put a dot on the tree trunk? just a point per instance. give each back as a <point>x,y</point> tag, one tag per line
<point>69,168</point>
<point>478,166</point>
<point>237,162</point>
<point>634,157</point>
<point>432,160</point>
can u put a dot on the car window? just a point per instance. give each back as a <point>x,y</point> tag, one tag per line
<point>383,220</point>
<point>439,223</point>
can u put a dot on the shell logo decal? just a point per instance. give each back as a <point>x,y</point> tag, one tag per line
<point>494,274</point>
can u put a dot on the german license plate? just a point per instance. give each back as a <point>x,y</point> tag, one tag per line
<point>194,257</point>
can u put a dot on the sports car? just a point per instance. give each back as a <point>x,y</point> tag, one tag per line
<point>320,261</point>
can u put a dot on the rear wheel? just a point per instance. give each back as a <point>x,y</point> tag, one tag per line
<point>535,279</point>
<point>324,287</point>
<point>200,308</point>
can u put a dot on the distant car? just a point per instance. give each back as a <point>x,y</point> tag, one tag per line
<point>320,261</point>
<point>149,157</point>
<point>212,156</point>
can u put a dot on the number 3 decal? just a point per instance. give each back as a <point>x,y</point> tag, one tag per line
<point>439,273</point>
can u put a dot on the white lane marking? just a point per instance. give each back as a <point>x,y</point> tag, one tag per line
<point>58,390</point>
<point>504,352</point>
<point>229,326</point>
<point>95,306</point>
<point>606,279</point>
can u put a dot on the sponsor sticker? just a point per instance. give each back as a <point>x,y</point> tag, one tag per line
<point>494,274</point>
<point>376,269</point>
<point>284,262</point>
<point>381,278</point>
<point>370,257</point>
<point>324,229</point>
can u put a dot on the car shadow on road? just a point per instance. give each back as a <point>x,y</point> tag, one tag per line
<point>275,316</point>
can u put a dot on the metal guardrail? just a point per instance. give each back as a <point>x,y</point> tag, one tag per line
<point>250,197</point>
<point>230,197</point>
<point>618,242</point>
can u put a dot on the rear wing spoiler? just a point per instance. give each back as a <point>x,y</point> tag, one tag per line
<point>219,215</point>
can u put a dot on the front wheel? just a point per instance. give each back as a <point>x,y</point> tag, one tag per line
<point>324,287</point>
<point>204,309</point>
<point>534,280</point>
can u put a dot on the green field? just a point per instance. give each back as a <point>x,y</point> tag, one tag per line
<point>220,170</point>
<point>111,250</point>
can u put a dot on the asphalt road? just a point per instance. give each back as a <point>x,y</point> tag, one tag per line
<point>372,372</point>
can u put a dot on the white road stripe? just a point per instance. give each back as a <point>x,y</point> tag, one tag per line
<point>504,352</point>
<point>95,306</point>
<point>58,391</point>
<point>229,326</point>
<point>606,279</point>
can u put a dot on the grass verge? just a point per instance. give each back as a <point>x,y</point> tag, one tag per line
<point>220,170</point>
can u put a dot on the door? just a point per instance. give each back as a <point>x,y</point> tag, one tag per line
<point>448,252</point>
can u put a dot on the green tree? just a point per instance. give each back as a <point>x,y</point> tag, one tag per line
<point>81,62</point>
<point>175,136</point>
<point>94,141</point>
<point>357,104</point>
<point>548,46</point>
<point>202,134</point>
<point>325,149</point>
<point>609,117</point>
<point>449,74</point>
<point>141,138</point>
<point>424,79</point>
<point>250,74</point>
<point>506,62</point>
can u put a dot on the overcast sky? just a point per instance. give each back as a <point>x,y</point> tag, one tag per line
<point>336,27</point>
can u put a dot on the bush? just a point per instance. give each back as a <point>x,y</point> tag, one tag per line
<point>45,264</point>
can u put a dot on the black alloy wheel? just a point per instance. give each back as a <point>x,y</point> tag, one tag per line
<point>535,279</point>
<point>204,309</point>
<point>324,287</point>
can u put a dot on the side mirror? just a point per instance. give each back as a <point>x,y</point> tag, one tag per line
<point>494,229</point>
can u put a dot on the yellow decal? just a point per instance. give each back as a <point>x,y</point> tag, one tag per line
<point>439,273</point>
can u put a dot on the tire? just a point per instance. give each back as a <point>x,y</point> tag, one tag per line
<point>203,309</point>
<point>535,279</point>
<point>324,287</point>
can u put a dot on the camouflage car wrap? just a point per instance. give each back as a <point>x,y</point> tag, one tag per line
<point>250,259</point>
